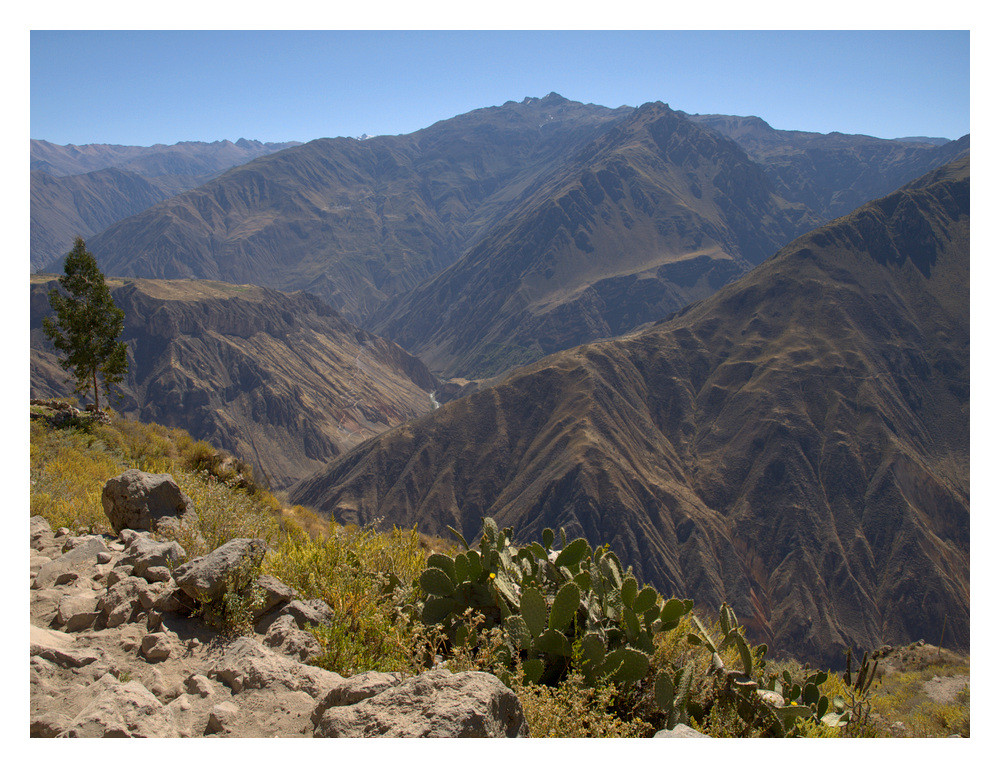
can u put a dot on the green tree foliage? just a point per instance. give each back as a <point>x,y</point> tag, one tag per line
<point>87,324</point>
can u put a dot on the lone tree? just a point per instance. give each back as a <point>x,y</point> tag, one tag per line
<point>87,324</point>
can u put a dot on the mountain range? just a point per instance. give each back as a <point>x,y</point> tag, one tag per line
<point>796,444</point>
<point>739,355</point>
<point>493,238</point>
<point>79,190</point>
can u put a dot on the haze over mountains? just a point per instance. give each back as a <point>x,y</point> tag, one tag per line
<point>80,190</point>
<point>833,173</point>
<point>797,444</point>
<point>787,432</point>
<point>578,222</point>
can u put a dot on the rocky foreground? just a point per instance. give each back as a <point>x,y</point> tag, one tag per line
<point>118,648</point>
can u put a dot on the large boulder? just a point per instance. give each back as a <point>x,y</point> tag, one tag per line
<point>41,532</point>
<point>144,553</point>
<point>82,557</point>
<point>236,563</point>
<point>141,501</point>
<point>245,664</point>
<point>123,710</point>
<point>437,703</point>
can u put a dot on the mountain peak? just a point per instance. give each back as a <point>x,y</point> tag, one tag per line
<point>551,99</point>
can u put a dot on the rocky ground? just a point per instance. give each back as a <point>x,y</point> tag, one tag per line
<point>113,654</point>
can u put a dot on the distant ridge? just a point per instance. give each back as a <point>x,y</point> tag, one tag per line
<point>79,190</point>
<point>833,173</point>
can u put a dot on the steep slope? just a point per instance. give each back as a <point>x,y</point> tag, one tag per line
<point>66,207</point>
<point>280,380</point>
<point>833,173</point>
<point>797,444</point>
<point>354,222</point>
<point>80,190</point>
<point>653,214</point>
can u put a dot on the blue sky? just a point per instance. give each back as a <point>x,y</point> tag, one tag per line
<point>127,87</point>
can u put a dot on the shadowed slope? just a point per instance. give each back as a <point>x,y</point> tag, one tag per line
<point>354,222</point>
<point>280,380</point>
<point>833,173</point>
<point>654,213</point>
<point>797,444</point>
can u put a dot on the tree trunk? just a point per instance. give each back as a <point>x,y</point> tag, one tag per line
<point>97,397</point>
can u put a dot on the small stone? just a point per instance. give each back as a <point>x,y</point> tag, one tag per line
<point>222,717</point>
<point>66,578</point>
<point>680,731</point>
<point>104,557</point>
<point>157,573</point>
<point>199,685</point>
<point>156,646</point>
<point>60,532</point>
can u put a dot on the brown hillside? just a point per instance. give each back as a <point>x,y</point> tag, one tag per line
<point>653,214</point>
<point>280,380</point>
<point>797,444</point>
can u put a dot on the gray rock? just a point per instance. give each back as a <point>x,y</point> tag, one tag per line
<point>77,612</point>
<point>139,500</point>
<point>170,601</point>
<point>680,731</point>
<point>82,556</point>
<point>41,532</point>
<point>246,664</point>
<point>275,593</point>
<point>103,558</point>
<point>125,600</point>
<point>434,704</point>
<point>69,577</point>
<point>67,658</point>
<point>356,688</point>
<point>127,536</point>
<point>73,542</point>
<point>144,553</point>
<point>205,578</point>
<point>123,710</point>
<point>117,574</point>
<point>157,573</point>
<point>306,612</point>
<point>285,637</point>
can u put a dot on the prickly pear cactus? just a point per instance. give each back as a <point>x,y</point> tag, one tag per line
<point>557,607</point>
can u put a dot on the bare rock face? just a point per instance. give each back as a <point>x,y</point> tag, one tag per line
<point>125,710</point>
<point>145,554</point>
<point>140,500</point>
<point>205,578</point>
<point>246,664</point>
<point>75,561</point>
<point>434,704</point>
